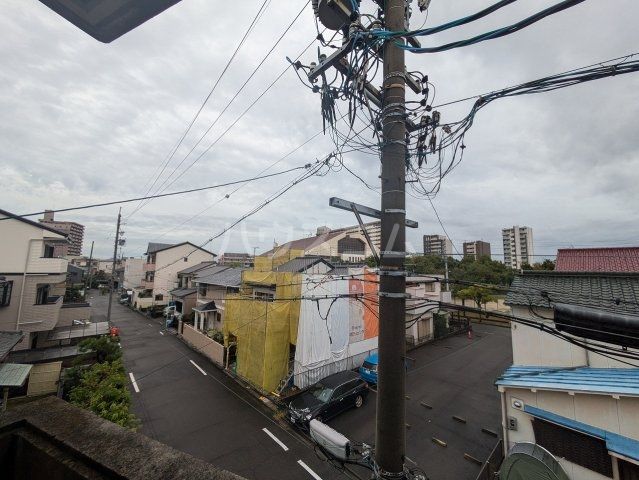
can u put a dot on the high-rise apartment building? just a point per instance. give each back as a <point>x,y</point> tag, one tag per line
<point>476,249</point>
<point>74,232</point>
<point>437,245</point>
<point>518,246</point>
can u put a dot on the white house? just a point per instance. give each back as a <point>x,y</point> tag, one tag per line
<point>579,405</point>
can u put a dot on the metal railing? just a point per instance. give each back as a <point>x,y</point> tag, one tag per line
<point>490,469</point>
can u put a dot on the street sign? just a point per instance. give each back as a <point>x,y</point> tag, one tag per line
<point>106,20</point>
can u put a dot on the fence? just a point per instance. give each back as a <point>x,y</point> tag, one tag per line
<point>310,376</point>
<point>492,464</point>
<point>203,344</point>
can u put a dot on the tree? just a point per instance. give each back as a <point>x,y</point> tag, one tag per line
<point>105,348</point>
<point>480,295</point>
<point>545,265</point>
<point>482,270</point>
<point>103,390</point>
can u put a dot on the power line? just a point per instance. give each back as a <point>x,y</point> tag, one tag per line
<point>181,192</point>
<point>255,70</point>
<point>219,78</point>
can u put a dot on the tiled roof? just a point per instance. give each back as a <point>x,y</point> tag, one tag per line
<point>615,292</point>
<point>227,277</point>
<point>304,243</point>
<point>196,268</point>
<point>207,307</point>
<point>301,264</point>
<point>622,381</point>
<point>617,259</point>
<point>13,374</point>
<point>182,292</point>
<point>154,247</point>
<point>8,340</point>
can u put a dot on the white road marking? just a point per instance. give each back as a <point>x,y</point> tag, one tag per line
<point>162,333</point>
<point>135,384</point>
<point>308,469</point>
<point>150,324</point>
<point>198,367</point>
<point>275,439</point>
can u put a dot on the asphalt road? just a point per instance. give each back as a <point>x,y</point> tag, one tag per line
<point>186,402</point>
<point>454,376</point>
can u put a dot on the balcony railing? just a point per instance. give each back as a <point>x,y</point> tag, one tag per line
<point>149,267</point>
<point>147,283</point>
<point>44,316</point>
<point>47,265</point>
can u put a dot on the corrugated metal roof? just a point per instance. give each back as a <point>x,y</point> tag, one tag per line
<point>301,264</point>
<point>13,374</point>
<point>611,259</point>
<point>596,290</point>
<point>8,340</point>
<point>227,277</point>
<point>81,331</point>
<point>44,354</point>
<point>622,381</point>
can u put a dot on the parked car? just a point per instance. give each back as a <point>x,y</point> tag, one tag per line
<point>327,398</point>
<point>368,370</point>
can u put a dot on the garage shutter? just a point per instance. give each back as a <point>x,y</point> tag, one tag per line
<point>44,379</point>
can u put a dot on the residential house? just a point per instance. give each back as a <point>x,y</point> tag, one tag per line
<point>419,314</point>
<point>344,244</point>
<point>213,285</point>
<point>608,259</point>
<point>583,407</point>
<point>184,297</point>
<point>32,291</point>
<point>133,272</point>
<point>163,262</point>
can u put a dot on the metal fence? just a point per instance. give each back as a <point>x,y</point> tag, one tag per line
<point>491,466</point>
<point>309,377</point>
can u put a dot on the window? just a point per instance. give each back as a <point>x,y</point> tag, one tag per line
<point>159,297</point>
<point>351,245</point>
<point>263,296</point>
<point>201,289</point>
<point>42,294</point>
<point>48,251</point>
<point>576,447</point>
<point>5,293</point>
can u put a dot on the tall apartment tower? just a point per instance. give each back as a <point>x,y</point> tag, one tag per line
<point>437,245</point>
<point>476,249</point>
<point>73,231</point>
<point>518,246</point>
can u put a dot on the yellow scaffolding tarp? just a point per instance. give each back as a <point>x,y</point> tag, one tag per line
<point>263,329</point>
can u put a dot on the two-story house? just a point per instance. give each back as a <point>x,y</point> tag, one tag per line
<point>580,405</point>
<point>163,262</point>
<point>185,295</point>
<point>212,287</point>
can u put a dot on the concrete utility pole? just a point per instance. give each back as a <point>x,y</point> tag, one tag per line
<point>87,282</point>
<point>115,257</point>
<point>390,435</point>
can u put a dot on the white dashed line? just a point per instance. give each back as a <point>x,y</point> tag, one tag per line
<point>135,384</point>
<point>150,324</point>
<point>309,470</point>
<point>162,333</point>
<point>275,439</point>
<point>198,367</point>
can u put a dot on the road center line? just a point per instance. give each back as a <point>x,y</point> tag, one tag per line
<point>134,383</point>
<point>198,367</point>
<point>309,470</point>
<point>162,333</point>
<point>275,439</point>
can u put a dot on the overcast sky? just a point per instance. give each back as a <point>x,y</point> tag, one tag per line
<point>86,122</point>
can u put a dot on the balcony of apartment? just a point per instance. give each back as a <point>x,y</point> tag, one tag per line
<point>47,265</point>
<point>42,315</point>
<point>148,267</point>
<point>148,284</point>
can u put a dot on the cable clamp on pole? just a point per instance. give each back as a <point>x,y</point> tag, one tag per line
<point>395,210</point>
<point>393,273</point>
<point>394,295</point>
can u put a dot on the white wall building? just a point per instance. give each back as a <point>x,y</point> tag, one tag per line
<point>133,272</point>
<point>518,246</point>
<point>581,406</point>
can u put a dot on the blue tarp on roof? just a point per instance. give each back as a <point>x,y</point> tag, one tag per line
<point>621,381</point>
<point>619,444</point>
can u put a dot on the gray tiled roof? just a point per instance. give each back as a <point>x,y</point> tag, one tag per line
<point>227,277</point>
<point>616,292</point>
<point>154,247</point>
<point>196,268</point>
<point>300,264</point>
<point>8,340</point>
<point>182,292</point>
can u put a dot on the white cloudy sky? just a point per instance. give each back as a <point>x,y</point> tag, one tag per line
<point>85,122</point>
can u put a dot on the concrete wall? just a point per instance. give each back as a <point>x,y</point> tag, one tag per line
<point>169,262</point>
<point>133,272</point>
<point>203,344</point>
<point>41,317</point>
<point>619,416</point>
<point>19,241</point>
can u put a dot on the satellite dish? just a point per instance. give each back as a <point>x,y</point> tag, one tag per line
<point>529,461</point>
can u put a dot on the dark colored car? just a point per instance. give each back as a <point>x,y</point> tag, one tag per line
<point>327,398</point>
